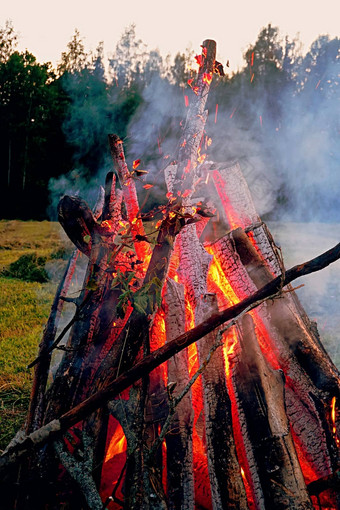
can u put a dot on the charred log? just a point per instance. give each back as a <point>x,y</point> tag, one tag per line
<point>260,392</point>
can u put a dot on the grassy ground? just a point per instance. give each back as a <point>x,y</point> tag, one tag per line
<point>24,309</point>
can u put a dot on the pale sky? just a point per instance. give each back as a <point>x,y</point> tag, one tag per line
<point>45,27</point>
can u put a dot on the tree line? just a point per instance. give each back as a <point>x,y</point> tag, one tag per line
<point>278,115</point>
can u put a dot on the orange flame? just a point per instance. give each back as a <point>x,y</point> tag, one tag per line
<point>333,417</point>
<point>148,186</point>
<point>229,348</point>
<point>252,77</point>
<point>195,88</point>
<point>201,157</point>
<point>117,444</point>
<point>217,275</point>
<point>333,410</point>
<point>207,78</point>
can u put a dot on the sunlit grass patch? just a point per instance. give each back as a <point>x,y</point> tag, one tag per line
<point>25,237</point>
<point>24,310</point>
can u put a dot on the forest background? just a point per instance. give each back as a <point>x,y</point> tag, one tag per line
<point>278,115</point>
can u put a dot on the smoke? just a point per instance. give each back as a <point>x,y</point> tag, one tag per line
<point>284,133</point>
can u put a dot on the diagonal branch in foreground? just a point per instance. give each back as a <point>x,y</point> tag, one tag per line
<point>59,426</point>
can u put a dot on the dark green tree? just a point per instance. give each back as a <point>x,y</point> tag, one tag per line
<point>31,142</point>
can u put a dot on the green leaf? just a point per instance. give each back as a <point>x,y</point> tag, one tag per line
<point>87,238</point>
<point>139,308</point>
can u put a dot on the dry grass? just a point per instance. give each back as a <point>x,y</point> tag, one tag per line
<point>20,237</point>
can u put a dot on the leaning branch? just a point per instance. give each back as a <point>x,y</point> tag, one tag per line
<point>113,388</point>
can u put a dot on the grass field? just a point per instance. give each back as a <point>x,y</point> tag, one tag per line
<point>24,309</point>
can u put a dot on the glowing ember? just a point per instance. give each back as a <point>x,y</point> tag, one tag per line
<point>135,164</point>
<point>106,224</point>
<point>199,60</point>
<point>232,113</point>
<point>186,101</point>
<point>188,167</point>
<point>252,77</point>
<point>216,110</point>
<point>148,186</point>
<point>252,59</point>
<point>333,418</point>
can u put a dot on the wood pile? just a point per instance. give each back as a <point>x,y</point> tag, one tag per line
<point>242,414</point>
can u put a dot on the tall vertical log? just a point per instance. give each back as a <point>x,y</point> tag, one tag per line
<point>194,126</point>
<point>261,393</point>
<point>227,488</point>
<point>179,440</point>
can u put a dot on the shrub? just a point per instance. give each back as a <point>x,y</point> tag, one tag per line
<point>29,267</point>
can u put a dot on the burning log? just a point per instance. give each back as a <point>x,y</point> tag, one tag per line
<point>260,391</point>
<point>277,326</point>
<point>142,248</point>
<point>180,473</point>
<point>227,486</point>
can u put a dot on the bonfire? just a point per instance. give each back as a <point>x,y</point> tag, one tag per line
<point>191,376</point>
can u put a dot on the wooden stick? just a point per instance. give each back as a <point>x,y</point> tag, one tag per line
<point>127,183</point>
